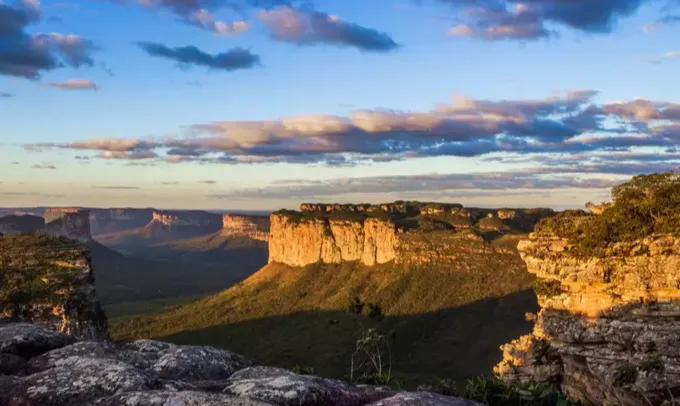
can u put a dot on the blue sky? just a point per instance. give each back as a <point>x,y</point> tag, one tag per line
<point>508,102</point>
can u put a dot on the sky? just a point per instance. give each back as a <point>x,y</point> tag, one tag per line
<point>264,104</point>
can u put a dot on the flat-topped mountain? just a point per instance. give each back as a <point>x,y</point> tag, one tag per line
<point>404,232</point>
<point>71,222</point>
<point>117,219</point>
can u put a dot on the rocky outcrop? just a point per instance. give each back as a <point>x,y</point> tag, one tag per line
<point>253,227</point>
<point>186,218</point>
<point>49,281</point>
<point>300,242</point>
<point>116,219</point>
<point>70,222</point>
<point>55,371</point>
<point>608,328</point>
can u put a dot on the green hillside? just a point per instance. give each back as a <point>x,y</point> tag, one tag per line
<point>447,321</point>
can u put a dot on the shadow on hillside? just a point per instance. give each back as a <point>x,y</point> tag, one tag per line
<point>454,343</point>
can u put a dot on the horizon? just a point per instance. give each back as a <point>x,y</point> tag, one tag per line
<point>257,106</point>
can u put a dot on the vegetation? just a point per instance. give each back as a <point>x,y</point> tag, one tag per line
<point>36,269</point>
<point>371,361</point>
<point>494,392</point>
<point>624,374</point>
<point>547,287</point>
<point>450,320</point>
<point>643,206</point>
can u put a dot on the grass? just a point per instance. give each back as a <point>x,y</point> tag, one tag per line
<point>447,320</point>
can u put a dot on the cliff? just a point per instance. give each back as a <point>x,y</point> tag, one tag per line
<point>253,227</point>
<point>608,328</point>
<point>70,222</point>
<point>49,280</point>
<point>116,219</point>
<point>404,232</point>
<point>181,218</point>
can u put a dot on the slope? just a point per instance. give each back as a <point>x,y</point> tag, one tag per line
<point>447,321</point>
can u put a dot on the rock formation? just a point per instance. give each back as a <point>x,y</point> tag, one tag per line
<point>70,222</point>
<point>302,242</point>
<point>404,232</point>
<point>254,227</point>
<point>111,220</point>
<point>608,330</point>
<point>49,280</point>
<point>186,218</point>
<point>42,367</point>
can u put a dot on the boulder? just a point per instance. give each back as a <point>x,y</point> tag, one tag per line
<point>423,399</point>
<point>28,340</point>
<point>186,398</point>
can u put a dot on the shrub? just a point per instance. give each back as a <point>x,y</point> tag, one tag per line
<point>645,205</point>
<point>624,374</point>
<point>375,312</point>
<point>492,391</point>
<point>355,306</point>
<point>651,364</point>
<point>547,287</point>
<point>304,370</point>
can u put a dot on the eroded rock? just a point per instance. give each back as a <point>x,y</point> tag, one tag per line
<point>168,398</point>
<point>28,340</point>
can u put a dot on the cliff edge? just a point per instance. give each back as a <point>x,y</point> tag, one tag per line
<point>49,281</point>
<point>608,328</point>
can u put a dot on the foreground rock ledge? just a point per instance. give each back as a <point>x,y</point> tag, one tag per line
<point>609,328</point>
<point>42,367</point>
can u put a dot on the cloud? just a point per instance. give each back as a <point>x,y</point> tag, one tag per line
<point>530,19</point>
<point>665,57</point>
<point>116,187</point>
<point>5,95</point>
<point>208,182</point>
<point>237,58</point>
<point>15,163</point>
<point>74,84</point>
<point>562,124</point>
<point>172,183</point>
<point>43,166</point>
<point>28,55</point>
<point>307,27</point>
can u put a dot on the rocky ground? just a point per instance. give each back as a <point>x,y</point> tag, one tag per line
<point>42,367</point>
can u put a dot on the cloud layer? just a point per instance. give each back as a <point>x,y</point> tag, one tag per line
<point>28,55</point>
<point>237,58</point>
<point>567,124</point>
<point>74,84</point>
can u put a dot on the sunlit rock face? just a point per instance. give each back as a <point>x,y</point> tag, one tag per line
<point>254,227</point>
<point>49,281</point>
<point>609,330</point>
<point>70,222</point>
<point>302,242</point>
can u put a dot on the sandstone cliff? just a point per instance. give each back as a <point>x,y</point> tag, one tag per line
<point>116,219</point>
<point>186,218</point>
<point>404,232</point>
<point>254,227</point>
<point>302,242</point>
<point>70,222</point>
<point>49,280</point>
<point>608,331</point>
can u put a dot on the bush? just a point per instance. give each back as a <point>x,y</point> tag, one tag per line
<point>624,374</point>
<point>492,391</point>
<point>304,370</point>
<point>645,205</point>
<point>375,312</point>
<point>355,306</point>
<point>547,287</point>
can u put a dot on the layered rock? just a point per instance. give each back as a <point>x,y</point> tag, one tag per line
<point>186,218</point>
<point>253,227</point>
<point>51,370</point>
<point>300,242</point>
<point>70,222</point>
<point>608,331</point>
<point>49,280</point>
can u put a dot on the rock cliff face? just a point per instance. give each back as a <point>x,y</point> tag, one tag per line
<point>404,232</point>
<point>609,327</point>
<point>254,227</point>
<point>186,219</point>
<point>40,367</point>
<point>111,220</point>
<point>70,222</point>
<point>49,280</point>
<point>302,242</point>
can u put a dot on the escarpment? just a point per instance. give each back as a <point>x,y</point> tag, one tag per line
<point>403,232</point>
<point>254,227</point>
<point>186,218</point>
<point>609,327</point>
<point>49,281</point>
<point>70,222</point>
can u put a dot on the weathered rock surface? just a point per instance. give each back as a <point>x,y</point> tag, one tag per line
<point>69,222</point>
<point>60,372</point>
<point>49,280</point>
<point>609,330</point>
<point>254,227</point>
